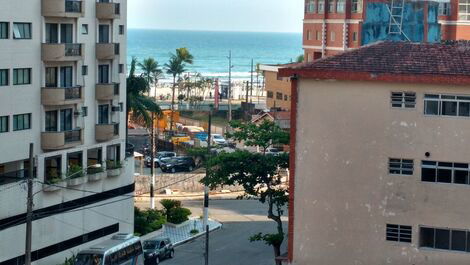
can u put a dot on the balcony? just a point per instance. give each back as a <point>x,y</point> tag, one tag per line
<point>108,10</point>
<point>62,8</point>
<point>107,91</point>
<point>107,51</point>
<point>62,52</point>
<point>106,132</point>
<point>57,96</point>
<point>61,140</point>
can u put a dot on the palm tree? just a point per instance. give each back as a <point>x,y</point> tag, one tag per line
<point>151,70</point>
<point>184,55</point>
<point>137,102</point>
<point>174,67</point>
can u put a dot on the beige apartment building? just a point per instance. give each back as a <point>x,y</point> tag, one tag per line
<point>62,88</point>
<point>277,88</point>
<point>380,157</point>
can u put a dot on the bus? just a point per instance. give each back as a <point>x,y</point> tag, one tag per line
<point>121,249</point>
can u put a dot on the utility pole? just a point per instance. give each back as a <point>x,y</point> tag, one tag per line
<point>230,66</point>
<point>152,167</point>
<point>206,190</point>
<point>29,207</point>
<point>251,87</point>
<point>246,87</point>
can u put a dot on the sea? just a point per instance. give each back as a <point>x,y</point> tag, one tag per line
<point>211,49</point>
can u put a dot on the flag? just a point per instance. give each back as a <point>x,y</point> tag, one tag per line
<point>216,94</point>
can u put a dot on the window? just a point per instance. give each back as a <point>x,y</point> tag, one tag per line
<point>66,120</point>
<point>445,239</point>
<point>84,69</point>
<point>403,100</point>
<point>66,76</point>
<point>278,95</point>
<point>356,6</point>
<point>4,74</point>
<point>310,6</point>
<point>22,76</point>
<point>445,172</point>
<point>66,33</point>
<point>51,77</point>
<point>447,105</point>
<point>21,122</point>
<point>318,35</point>
<point>321,6</point>
<point>103,114</point>
<point>309,35</point>
<point>84,111</point>
<point>85,29</point>
<point>4,124</point>
<point>22,30</point>
<point>52,33</point>
<point>51,121</point>
<point>103,31</point>
<point>340,6</point>
<point>464,9</point>
<point>270,94</point>
<point>400,166</point>
<point>444,9</point>
<point>121,29</point>
<point>121,68</point>
<point>331,6</point>
<point>354,36</point>
<point>333,36</point>
<point>399,233</point>
<point>4,30</point>
<point>285,97</point>
<point>103,74</point>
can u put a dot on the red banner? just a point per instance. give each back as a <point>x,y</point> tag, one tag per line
<point>216,94</point>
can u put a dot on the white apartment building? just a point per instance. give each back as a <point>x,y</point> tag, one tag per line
<point>62,88</point>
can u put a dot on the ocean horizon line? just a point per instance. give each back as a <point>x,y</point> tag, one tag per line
<point>220,31</point>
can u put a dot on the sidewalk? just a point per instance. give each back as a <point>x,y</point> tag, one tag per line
<point>181,235</point>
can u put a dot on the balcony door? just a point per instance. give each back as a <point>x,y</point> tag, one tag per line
<point>51,77</point>
<point>66,76</point>
<point>66,33</point>
<point>66,119</point>
<point>103,31</point>
<point>52,33</point>
<point>103,74</point>
<point>51,121</point>
<point>103,114</point>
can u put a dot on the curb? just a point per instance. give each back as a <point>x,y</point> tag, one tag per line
<point>196,236</point>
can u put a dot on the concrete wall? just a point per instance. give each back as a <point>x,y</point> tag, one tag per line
<point>344,196</point>
<point>277,86</point>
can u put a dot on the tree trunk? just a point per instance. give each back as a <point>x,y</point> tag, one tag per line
<point>172,104</point>
<point>277,253</point>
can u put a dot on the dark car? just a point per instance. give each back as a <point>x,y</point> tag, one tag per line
<point>157,249</point>
<point>160,156</point>
<point>179,163</point>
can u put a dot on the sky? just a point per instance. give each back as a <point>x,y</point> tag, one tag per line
<point>217,15</point>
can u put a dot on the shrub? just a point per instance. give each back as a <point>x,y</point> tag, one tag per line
<point>170,204</point>
<point>95,170</point>
<point>194,231</point>
<point>74,171</point>
<point>146,221</point>
<point>111,164</point>
<point>178,215</point>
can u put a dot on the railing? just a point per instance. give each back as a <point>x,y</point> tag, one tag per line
<point>73,6</point>
<point>73,49</point>
<point>116,89</point>
<point>116,129</point>
<point>116,49</point>
<point>73,136</point>
<point>73,92</point>
<point>14,176</point>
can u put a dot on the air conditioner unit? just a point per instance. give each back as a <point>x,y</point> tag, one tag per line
<point>116,108</point>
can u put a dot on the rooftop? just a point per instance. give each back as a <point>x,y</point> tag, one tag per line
<point>447,62</point>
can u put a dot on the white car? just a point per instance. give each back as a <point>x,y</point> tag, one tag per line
<point>219,140</point>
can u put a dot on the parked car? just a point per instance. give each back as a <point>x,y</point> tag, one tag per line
<point>179,163</point>
<point>157,249</point>
<point>160,156</point>
<point>273,151</point>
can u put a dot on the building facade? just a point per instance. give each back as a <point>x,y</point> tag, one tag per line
<point>334,26</point>
<point>277,88</point>
<point>62,88</point>
<point>379,157</point>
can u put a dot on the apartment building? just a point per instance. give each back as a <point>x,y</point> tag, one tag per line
<point>277,88</point>
<point>380,158</point>
<point>62,88</point>
<point>335,26</point>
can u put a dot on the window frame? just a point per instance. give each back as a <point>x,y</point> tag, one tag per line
<point>331,6</point>
<point>121,30</point>
<point>399,233</point>
<point>356,6</point>
<point>444,9</point>
<point>398,100</point>
<point>7,77</point>
<point>23,127</point>
<point>397,166</point>
<point>84,29</point>
<point>450,238</point>
<point>441,99</point>
<point>340,6</point>
<point>7,126</point>
<point>16,76</point>
<point>6,26</point>
<point>20,37</point>
<point>464,4</point>
<point>445,166</point>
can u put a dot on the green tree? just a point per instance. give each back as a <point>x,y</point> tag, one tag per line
<point>174,67</point>
<point>184,55</point>
<point>258,173</point>
<point>138,103</point>
<point>300,59</point>
<point>151,70</point>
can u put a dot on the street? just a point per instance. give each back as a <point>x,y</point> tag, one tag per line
<point>230,245</point>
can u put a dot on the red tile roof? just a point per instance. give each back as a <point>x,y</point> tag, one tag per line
<point>394,61</point>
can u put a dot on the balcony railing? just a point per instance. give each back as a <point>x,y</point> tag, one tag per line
<point>73,93</point>
<point>73,6</point>
<point>14,176</point>
<point>73,49</point>
<point>73,136</point>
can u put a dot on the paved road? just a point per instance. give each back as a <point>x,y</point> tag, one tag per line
<point>230,244</point>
